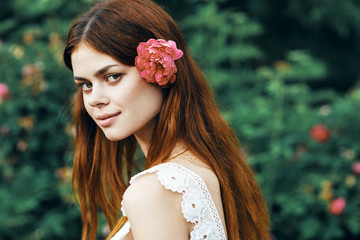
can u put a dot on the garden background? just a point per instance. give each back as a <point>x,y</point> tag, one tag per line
<point>285,74</point>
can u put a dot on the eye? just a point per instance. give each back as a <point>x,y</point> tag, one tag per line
<point>86,86</point>
<point>113,77</point>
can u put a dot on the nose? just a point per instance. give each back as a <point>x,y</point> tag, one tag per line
<point>97,97</point>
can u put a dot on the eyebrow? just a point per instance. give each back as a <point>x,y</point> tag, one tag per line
<point>99,72</point>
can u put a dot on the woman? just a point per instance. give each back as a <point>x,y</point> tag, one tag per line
<point>139,85</point>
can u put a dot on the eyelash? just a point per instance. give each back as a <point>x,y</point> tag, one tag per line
<point>81,85</point>
<point>116,77</point>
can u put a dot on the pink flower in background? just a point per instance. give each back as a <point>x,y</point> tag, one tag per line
<point>337,206</point>
<point>320,133</point>
<point>356,167</point>
<point>64,173</point>
<point>4,92</point>
<point>155,61</point>
<point>5,130</point>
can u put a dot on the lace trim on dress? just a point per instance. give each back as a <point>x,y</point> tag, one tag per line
<point>197,206</point>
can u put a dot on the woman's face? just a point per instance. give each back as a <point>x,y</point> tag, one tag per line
<point>115,96</point>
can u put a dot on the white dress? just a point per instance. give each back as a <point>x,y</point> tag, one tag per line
<point>197,205</point>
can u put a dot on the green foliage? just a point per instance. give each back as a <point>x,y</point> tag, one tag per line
<point>342,16</point>
<point>263,82</point>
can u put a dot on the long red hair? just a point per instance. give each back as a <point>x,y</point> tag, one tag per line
<point>189,113</point>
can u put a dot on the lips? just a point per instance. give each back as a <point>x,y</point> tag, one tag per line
<point>106,120</point>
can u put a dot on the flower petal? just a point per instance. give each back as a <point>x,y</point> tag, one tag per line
<point>155,61</point>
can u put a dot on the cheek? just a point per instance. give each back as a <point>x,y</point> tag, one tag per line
<point>87,107</point>
<point>151,99</point>
<point>142,96</point>
<point>81,100</point>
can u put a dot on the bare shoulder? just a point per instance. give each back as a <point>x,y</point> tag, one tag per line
<point>144,186</point>
<point>147,190</point>
<point>153,211</point>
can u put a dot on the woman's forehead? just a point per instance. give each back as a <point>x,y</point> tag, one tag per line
<point>85,58</point>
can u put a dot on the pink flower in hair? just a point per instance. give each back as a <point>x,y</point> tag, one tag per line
<point>155,61</point>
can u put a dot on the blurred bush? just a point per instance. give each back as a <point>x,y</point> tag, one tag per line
<point>300,133</point>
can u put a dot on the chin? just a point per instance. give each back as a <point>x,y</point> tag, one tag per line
<point>113,137</point>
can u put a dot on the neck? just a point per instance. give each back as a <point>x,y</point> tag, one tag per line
<point>143,136</point>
